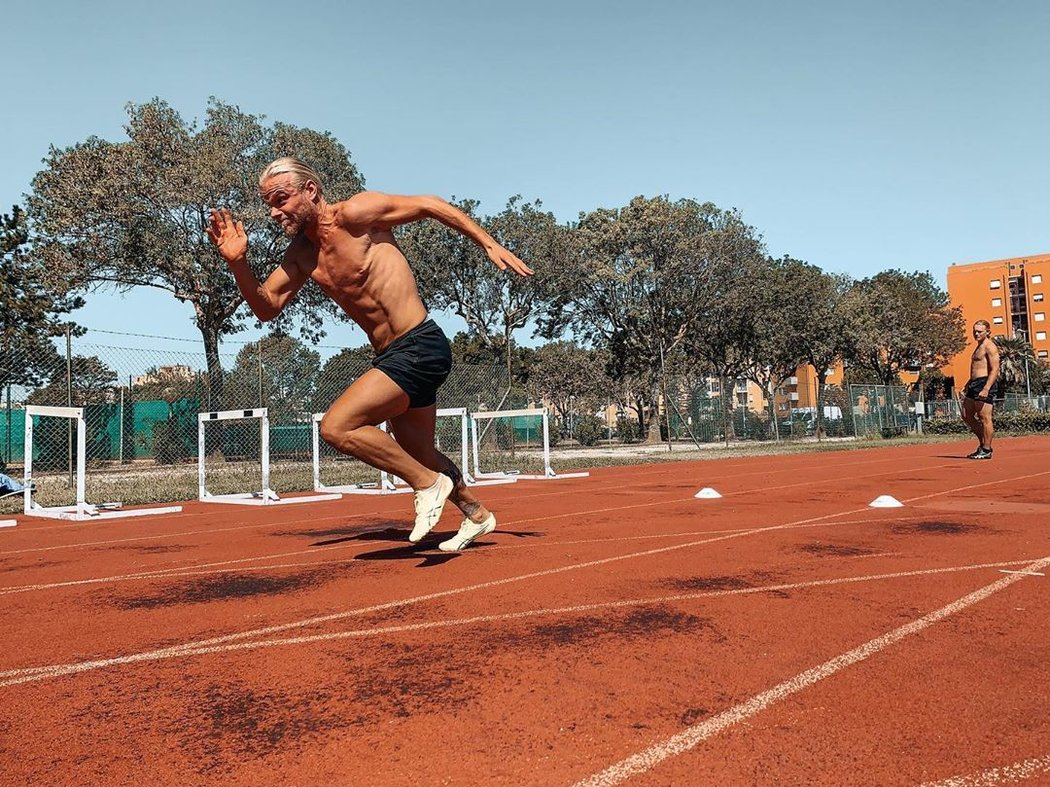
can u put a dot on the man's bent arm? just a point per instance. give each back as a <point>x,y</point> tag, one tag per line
<point>268,299</point>
<point>265,300</point>
<point>385,211</point>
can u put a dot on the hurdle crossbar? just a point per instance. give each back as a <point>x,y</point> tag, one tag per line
<point>548,471</point>
<point>265,496</point>
<point>391,484</point>
<point>82,510</point>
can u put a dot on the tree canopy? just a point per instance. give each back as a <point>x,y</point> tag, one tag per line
<point>133,213</point>
<point>33,304</point>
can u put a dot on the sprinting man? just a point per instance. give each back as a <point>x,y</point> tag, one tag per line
<point>348,249</point>
<point>980,391</point>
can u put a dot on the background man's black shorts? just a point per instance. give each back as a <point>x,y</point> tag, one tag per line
<point>976,385</point>
<point>419,362</point>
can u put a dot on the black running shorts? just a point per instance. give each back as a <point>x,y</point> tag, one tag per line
<point>976,385</point>
<point>418,361</point>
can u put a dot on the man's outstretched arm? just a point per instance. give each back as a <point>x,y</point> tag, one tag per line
<point>266,300</point>
<point>384,211</point>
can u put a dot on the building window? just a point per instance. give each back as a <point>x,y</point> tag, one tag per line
<point>994,284</point>
<point>1037,278</point>
<point>997,301</point>
<point>1040,336</point>
<point>997,320</point>
<point>1042,353</point>
<point>1037,297</point>
<point>1040,316</point>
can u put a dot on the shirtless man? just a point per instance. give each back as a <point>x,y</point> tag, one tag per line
<point>981,390</point>
<point>348,249</point>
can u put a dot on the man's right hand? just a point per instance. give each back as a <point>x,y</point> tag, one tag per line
<point>228,236</point>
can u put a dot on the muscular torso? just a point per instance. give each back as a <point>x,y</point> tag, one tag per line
<point>364,271</point>
<point>980,365</point>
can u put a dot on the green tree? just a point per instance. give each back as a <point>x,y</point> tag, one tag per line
<point>277,372</point>
<point>1017,364</point>
<point>898,321</point>
<point>570,378</point>
<point>133,213</point>
<point>455,274</point>
<point>91,382</point>
<point>643,281</point>
<point>33,303</point>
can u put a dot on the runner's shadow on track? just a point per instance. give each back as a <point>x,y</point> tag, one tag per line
<point>413,552</point>
<point>386,534</point>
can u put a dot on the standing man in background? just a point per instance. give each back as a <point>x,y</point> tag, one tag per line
<point>980,391</point>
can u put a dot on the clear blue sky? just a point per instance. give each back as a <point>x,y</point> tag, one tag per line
<point>858,136</point>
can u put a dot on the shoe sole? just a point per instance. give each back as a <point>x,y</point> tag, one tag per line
<point>455,544</point>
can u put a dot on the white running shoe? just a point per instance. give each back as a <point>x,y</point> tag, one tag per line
<point>429,503</point>
<point>468,531</point>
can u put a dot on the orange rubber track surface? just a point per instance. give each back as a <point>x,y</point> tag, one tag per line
<point>614,629</point>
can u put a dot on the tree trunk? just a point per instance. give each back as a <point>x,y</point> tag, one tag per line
<point>213,436</point>
<point>653,435</point>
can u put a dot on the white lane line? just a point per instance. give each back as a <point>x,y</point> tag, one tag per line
<point>1007,774</point>
<point>197,568</point>
<point>268,630</point>
<point>32,674</point>
<point>364,514</point>
<point>1026,573</point>
<point>649,758</point>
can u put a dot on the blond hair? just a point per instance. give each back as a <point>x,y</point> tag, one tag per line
<point>301,171</point>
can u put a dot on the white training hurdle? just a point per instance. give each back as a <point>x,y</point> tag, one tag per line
<point>265,496</point>
<point>548,471</point>
<point>82,510</point>
<point>389,484</point>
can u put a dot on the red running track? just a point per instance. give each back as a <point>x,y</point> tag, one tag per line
<point>615,629</point>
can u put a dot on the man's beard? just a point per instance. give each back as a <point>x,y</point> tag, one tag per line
<point>292,227</point>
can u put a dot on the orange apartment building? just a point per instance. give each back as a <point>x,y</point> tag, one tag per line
<point>1010,294</point>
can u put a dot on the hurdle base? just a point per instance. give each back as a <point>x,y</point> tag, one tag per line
<point>362,489</point>
<point>265,498</point>
<point>89,513</point>
<point>550,475</point>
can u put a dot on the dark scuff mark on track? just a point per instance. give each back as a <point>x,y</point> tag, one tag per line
<point>225,587</point>
<point>835,550</point>
<point>939,528</point>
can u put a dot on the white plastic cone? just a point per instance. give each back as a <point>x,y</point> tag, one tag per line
<point>885,501</point>
<point>707,493</point>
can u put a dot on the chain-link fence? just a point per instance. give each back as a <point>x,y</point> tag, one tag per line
<point>141,411</point>
<point>141,414</point>
<point>885,410</point>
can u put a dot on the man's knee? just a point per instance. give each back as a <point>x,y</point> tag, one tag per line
<point>338,432</point>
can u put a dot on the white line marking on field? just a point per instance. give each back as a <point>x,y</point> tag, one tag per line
<point>32,674</point>
<point>192,569</point>
<point>363,514</point>
<point>1026,573</point>
<point>1007,774</point>
<point>268,630</point>
<point>687,739</point>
